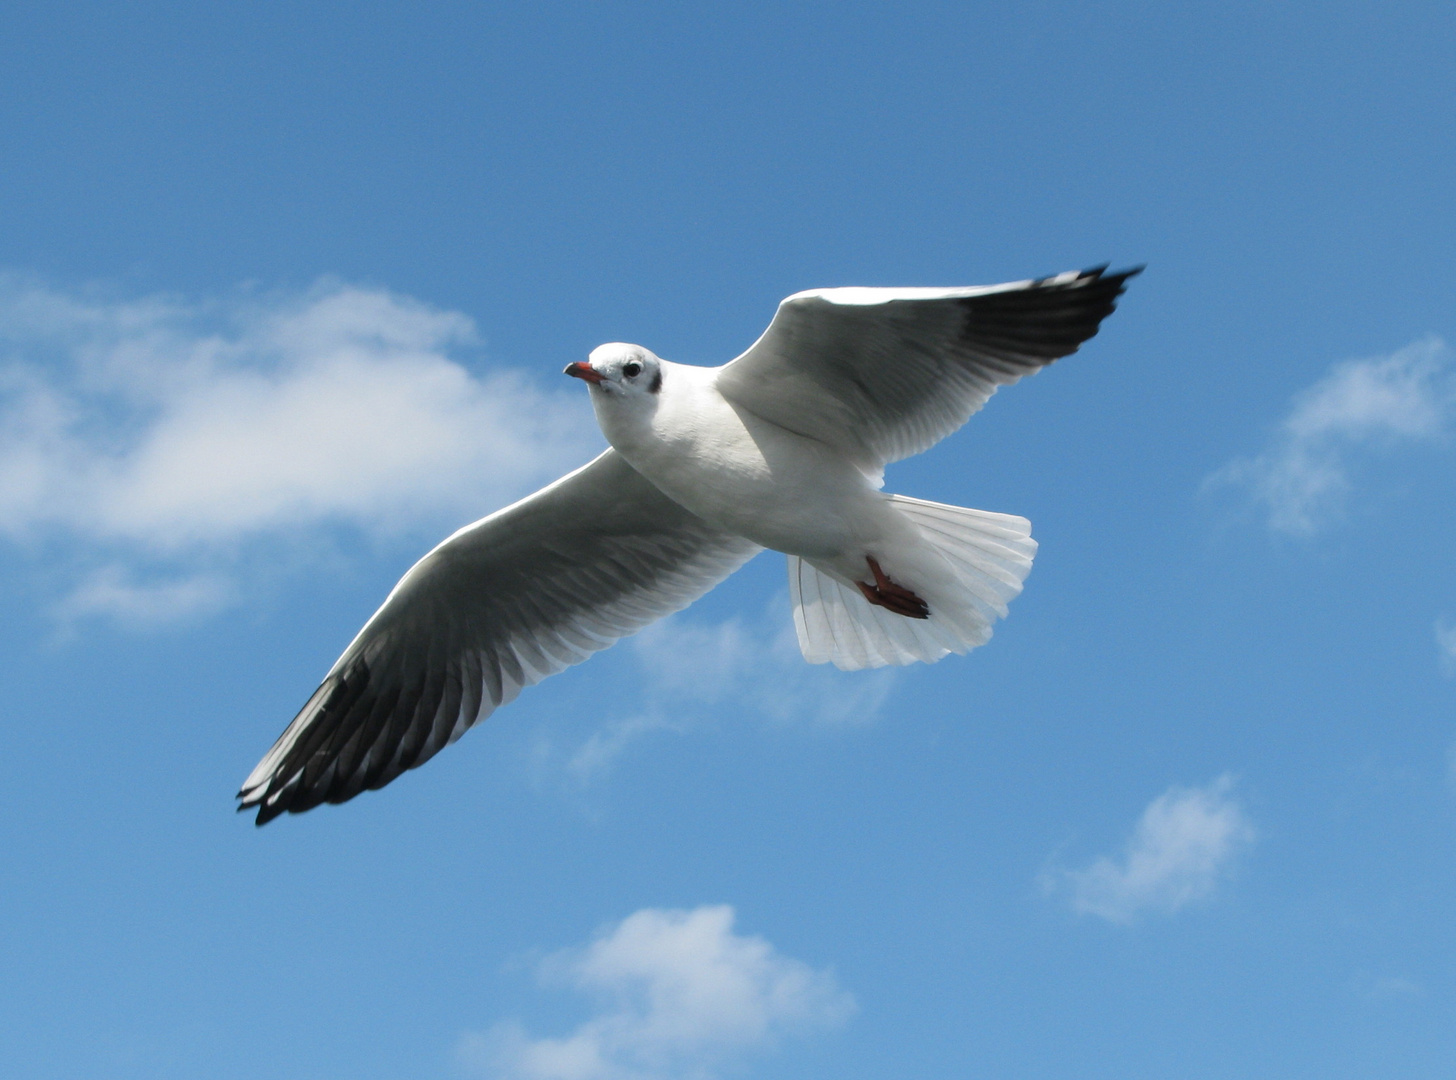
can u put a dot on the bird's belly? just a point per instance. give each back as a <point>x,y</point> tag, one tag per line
<point>797,499</point>
<point>799,524</point>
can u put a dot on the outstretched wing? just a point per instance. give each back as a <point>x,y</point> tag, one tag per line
<point>885,373</point>
<point>502,604</point>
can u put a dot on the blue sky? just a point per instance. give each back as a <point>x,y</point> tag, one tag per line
<point>285,294</point>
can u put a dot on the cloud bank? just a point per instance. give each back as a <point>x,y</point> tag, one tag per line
<point>1183,845</point>
<point>1302,478</point>
<point>162,435</point>
<point>681,996</point>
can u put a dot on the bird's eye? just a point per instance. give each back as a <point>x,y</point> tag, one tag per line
<point>632,369</point>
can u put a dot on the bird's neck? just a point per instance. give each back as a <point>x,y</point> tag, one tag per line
<point>628,425</point>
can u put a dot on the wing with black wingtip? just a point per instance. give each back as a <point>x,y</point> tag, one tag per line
<point>499,606</point>
<point>885,373</point>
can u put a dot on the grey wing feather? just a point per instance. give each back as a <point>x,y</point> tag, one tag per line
<point>497,607</point>
<point>886,373</point>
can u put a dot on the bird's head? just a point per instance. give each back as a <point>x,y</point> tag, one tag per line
<point>617,369</point>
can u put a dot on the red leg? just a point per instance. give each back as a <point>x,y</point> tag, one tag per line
<point>886,594</point>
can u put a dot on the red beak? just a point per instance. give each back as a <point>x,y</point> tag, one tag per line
<point>585,372</point>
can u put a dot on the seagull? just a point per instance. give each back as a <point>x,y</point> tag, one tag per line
<point>783,448</point>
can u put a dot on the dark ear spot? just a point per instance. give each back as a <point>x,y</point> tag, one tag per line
<point>656,382</point>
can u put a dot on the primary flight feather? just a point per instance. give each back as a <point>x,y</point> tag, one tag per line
<point>782,448</point>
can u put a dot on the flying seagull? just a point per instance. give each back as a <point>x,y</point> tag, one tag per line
<point>782,448</point>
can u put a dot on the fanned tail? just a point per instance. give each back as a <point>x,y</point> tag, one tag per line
<point>991,555</point>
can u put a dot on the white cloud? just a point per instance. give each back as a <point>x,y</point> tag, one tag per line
<point>600,751</point>
<point>681,996</point>
<point>1303,477</point>
<point>1446,645</point>
<point>690,670</point>
<point>1389,986</point>
<point>113,592</point>
<point>161,430</point>
<point>1182,846</point>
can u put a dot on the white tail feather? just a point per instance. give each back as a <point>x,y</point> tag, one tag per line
<point>991,555</point>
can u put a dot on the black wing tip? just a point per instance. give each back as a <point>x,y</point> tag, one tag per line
<point>259,803</point>
<point>1119,276</point>
<point>292,798</point>
<point>1093,274</point>
<point>346,708</point>
<point>1048,318</point>
<point>286,793</point>
<point>276,796</point>
<point>268,809</point>
<point>1102,287</point>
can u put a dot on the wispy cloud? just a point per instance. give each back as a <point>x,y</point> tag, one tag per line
<point>1303,477</point>
<point>161,434</point>
<point>682,996</point>
<point>113,592</point>
<point>690,670</point>
<point>1182,846</point>
<point>1385,987</point>
<point>1446,644</point>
